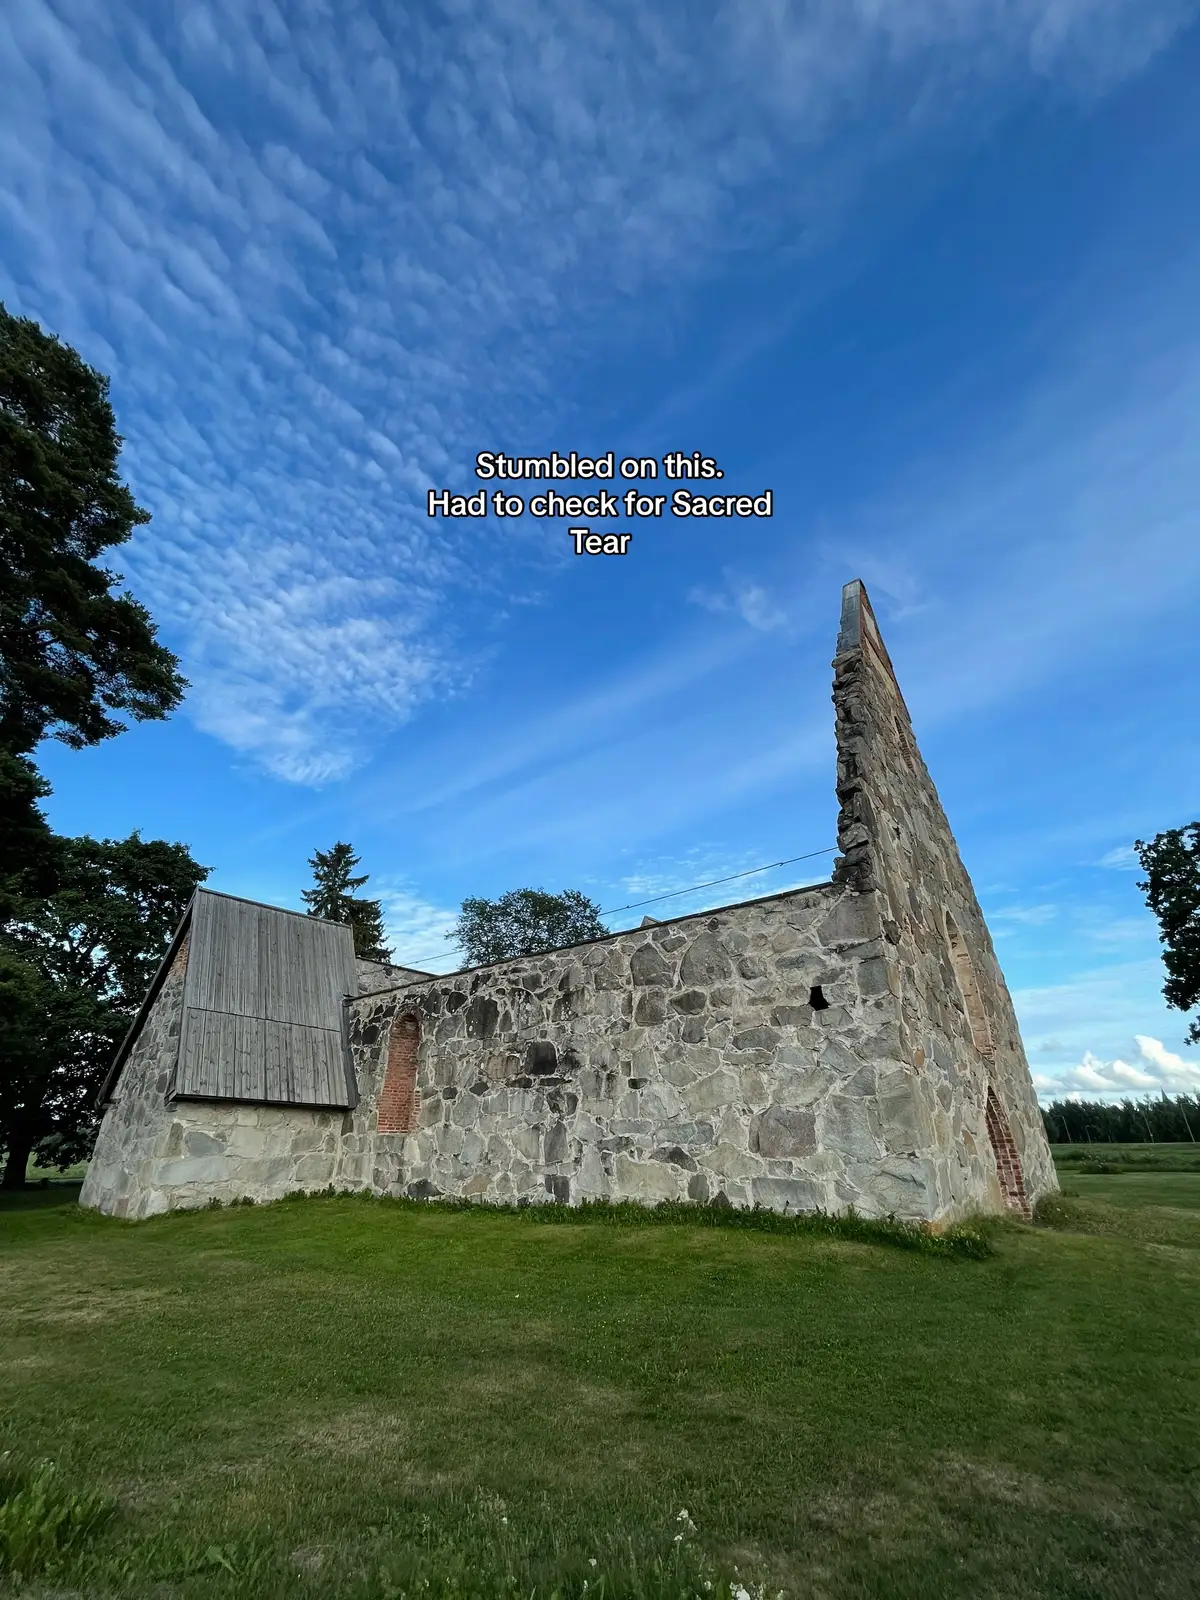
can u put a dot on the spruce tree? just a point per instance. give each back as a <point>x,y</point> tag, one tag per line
<point>333,898</point>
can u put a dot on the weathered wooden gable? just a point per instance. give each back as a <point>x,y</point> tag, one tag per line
<point>264,998</point>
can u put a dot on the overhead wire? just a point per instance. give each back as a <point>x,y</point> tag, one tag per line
<point>673,894</point>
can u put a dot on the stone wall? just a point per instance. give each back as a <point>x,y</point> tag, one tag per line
<point>374,975</point>
<point>958,1030</point>
<point>852,1044</point>
<point>154,1154</point>
<point>683,1061</point>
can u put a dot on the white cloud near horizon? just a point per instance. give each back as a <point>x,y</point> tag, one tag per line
<point>327,260</point>
<point>1154,1070</point>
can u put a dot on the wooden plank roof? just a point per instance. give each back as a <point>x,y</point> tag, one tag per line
<point>263,1007</point>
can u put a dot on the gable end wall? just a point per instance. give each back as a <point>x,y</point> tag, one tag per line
<point>897,846</point>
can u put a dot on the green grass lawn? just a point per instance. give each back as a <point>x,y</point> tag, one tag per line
<point>1127,1158</point>
<point>340,1397</point>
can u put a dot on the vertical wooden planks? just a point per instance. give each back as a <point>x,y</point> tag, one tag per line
<point>263,1006</point>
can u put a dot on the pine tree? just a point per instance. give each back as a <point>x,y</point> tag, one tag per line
<point>334,899</point>
<point>75,646</point>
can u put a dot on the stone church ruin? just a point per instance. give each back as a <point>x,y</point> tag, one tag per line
<point>848,1044</point>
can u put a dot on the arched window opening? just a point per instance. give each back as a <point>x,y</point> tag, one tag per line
<point>399,1098</point>
<point>964,972</point>
<point>1008,1162</point>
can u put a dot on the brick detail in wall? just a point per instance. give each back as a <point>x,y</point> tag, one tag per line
<point>1008,1162</point>
<point>399,1099</point>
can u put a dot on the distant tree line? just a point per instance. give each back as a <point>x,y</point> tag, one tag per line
<point>1165,1120</point>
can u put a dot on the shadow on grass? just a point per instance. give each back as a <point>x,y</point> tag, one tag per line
<point>40,1197</point>
<point>1146,1225</point>
<point>965,1241</point>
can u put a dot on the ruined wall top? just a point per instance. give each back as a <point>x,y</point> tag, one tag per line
<point>893,832</point>
<point>957,1018</point>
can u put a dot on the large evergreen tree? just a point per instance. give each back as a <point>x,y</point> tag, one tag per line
<point>1171,862</point>
<point>525,922</point>
<point>74,966</point>
<point>82,923</point>
<point>74,649</point>
<point>333,898</point>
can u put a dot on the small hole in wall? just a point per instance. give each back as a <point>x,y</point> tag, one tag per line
<point>816,998</point>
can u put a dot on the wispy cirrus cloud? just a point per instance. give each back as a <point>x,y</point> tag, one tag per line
<point>1026,916</point>
<point>418,929</point>
<point>329,256</point>
<point>741,598</point>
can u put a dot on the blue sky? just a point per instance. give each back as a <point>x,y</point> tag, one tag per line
<point>927,269</point>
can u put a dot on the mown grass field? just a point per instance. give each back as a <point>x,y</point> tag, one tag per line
<point>340,1397</point>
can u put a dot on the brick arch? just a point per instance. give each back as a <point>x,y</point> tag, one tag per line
<point>399,1098</point>
<point>1008,1162</point>
<point>968,986</point>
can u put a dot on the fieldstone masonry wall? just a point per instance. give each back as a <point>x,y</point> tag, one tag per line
<point>155,1153</point>
<point>851,1044</point>
<point>958,1031</point>
<point>682,1061</point>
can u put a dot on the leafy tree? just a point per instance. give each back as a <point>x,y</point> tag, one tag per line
<point>72,649</point>
<point>74,967</point>
<point>524,922</point>
<point>334,899</point>
<point>1171,862</point>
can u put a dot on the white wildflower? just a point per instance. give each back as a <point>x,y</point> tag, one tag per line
<point>689,1525</point>
<point>591,1561</point>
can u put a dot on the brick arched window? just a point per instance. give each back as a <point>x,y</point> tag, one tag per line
<point>1008,1162</point>
<point>399,1098</point>
<point>964,972</point>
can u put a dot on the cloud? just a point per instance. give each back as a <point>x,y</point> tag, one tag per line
<point>327,259</point>
<point>416,929</point>
<point>1094,1013</point>
<point>703,878</point>
<point>1154,1070</point>
<point>1121,858</point>
<point>741,598</point>
<point>1027,916</point>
